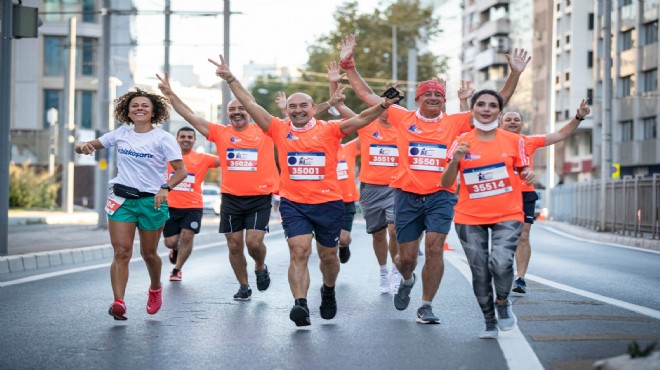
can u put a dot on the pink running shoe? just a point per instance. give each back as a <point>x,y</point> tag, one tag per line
<point>155,300</point>
<point>118,310</point>
<point>175,276</point>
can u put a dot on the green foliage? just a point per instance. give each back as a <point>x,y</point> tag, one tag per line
<point>372,55</point>
<point>635,351</point>
<point>28,188</point>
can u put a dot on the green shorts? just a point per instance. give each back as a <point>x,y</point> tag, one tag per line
<point>142,212</point>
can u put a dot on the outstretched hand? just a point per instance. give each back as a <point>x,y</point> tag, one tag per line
<point>347,47</point>
<point>164,85</point>
<point>466,90</point>
<point>280,101</point>
<point>583,110</point>
<point>518,61</point>
<point>223,69</point>
<point>333,72</point>
<point>338,97</point>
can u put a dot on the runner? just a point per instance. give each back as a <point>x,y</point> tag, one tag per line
<point>185,202</point>
<point>346,177</point>
<point>487,159</point>
<point>311,201</point>
<point>249,177</point>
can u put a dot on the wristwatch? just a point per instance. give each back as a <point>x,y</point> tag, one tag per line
<point>579,118</point>
<point>167,187</point>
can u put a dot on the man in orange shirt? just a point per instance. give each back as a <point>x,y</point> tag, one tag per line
<point>422,204</point>
<point>185,202</point>
<point>311,198</point>
<point>513,122</point>
<point>249,177</point>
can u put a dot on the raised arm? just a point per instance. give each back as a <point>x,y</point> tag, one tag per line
<point>367,116</point>
<point>363,91</point>
<point>260,115</point>
<point>517,64</point>
<point>465,92</point>
<point>199,123</point>
<point>337,97</point>
<point>570,127</point>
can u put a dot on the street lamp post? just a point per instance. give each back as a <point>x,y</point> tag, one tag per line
<point>54,135</point>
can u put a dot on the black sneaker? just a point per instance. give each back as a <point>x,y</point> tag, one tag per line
<point>244,293</point>
<point>300,315</point>
<point>344,254</point>
<point>520,286</point>
<point>328,304</point>
<point>263,279</point>
<point>173,254</point>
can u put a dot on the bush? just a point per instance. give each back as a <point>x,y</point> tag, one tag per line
<point>28,188</point>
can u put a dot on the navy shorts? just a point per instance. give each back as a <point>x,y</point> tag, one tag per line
<point>183,218</point>
<point>244,212</point>
<point>529,205</point>
<point>324,220</point>
<point>415,213</point>
<point>349,215</point>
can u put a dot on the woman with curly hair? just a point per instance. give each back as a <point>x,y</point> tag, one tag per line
<point>138,195</point>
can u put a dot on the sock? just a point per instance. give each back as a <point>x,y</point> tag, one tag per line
<point>410,281</point>
<point>394,269</point>
<point>301,302</point>
<point>383,270</point>
<point>328,289</point>
<point>427,303</point>
<point>175,271</point>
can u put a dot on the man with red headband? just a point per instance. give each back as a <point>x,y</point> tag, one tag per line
<point>422,204</point>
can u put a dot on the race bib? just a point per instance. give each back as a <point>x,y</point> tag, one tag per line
<point>187,184</point>
<point>427,157</point>
<point>242,159</point>
<point>113,203</point>
<point>383,155</point>
<point>342,170</point>
<point>487,181</point>
<point>306,166</point>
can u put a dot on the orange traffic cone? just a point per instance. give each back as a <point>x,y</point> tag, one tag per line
<point>448,248</point>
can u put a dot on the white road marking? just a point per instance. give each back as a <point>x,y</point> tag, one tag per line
<point>561,233</point>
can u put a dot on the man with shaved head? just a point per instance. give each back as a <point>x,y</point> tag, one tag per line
<point>311,201</point>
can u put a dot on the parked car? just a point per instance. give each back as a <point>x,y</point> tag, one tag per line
<point>211,198</point>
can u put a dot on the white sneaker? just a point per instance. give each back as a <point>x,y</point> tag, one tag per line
<point>395,280</point>
<point>384,284</point>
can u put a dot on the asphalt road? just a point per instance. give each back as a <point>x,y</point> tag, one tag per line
<point>586,302</point>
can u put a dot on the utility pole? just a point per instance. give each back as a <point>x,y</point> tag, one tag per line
<point>550,150</point>
<point>102,171</point>
<point>68,126</point>
<point>606,134</point>
<point>395,52</point>
<point>168,43</point>
<point>412,77</point>
<point>226,92</point>
<point>5,121</point>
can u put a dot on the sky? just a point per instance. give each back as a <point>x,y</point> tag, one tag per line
<point>265,32</point>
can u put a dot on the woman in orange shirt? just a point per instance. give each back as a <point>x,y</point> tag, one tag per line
<point>487,159</point>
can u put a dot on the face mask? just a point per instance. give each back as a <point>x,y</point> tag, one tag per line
<point>486,126</point>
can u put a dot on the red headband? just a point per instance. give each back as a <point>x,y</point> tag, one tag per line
<point>430,85</point>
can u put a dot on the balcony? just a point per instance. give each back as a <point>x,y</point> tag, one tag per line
<point>483,5</point>
<point>492,28</point>
<point>488,58</point>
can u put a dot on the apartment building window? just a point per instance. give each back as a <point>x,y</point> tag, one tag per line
<point>87,56</point>
<point>567,114</point>
<point>650,33</point>
<point>557,80</point>
<point>626,40</point>
<point>568,39</point>
<point>558,115</point>
<point>567,76</point>
<point>625,2</point>
<point>650,80</point>
<point>62,10</point>
<point>85,108</point>
<point>627,85</point>
<point>626,130</point>
<point>590,59</point>
<point>55,55</point>
<point>568,3</point>
<point>591,21</point>
<point>558,6</point>
<point>590,96</point>
<point>52,99</point>
<point>89,11</point>
<point>650,128</point>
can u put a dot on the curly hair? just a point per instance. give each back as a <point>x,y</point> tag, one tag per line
<point>161,106</point>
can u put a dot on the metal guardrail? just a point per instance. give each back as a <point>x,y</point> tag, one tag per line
<point>632,208</point>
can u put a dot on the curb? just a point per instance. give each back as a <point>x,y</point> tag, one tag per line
<point>581,232</point>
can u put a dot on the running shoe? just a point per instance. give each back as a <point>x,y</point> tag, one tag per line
<point>395,280</point>
<point>175,275</point>
<point>328,304</point>
<point>402,296</point>
<point>300,315</point>
<point>263,279</point>
<point>490,332</point>
<point>425,315</point>
<point>506,319</point>
<point>384,283</point>
<point>173,254</point>
<point>344,254</point>
<point>118,310</point>
<point>520,286</point>
<point>244,293</point>
<point>155,300</point>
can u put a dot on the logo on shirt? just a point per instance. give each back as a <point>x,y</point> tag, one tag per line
<point>485,176</point>
<point>414,129</point>
<point>134,154</point>
<point>377,135</point>
<point>470,156</point>
<point>291,136</point>
<point>234,139</point>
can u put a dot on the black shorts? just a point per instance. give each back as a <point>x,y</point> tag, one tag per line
<point>349,215</point>
<point>183,218</point>
<point>244,212</point>
<point>529,204</point>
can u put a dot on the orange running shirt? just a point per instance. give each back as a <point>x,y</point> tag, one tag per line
<point>346,170</point>
<point>188,194</point>
<point>308,160</point>
<point>247,159</point>
<point>380,158</point>
<point>423,146</point>
<point>532,143</point>
<point>489,192</point>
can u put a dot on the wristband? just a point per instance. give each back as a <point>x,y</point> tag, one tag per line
<point>347,64</point>
<point>232,80</point>
<point>382,106</point>
<point>579,118</point>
